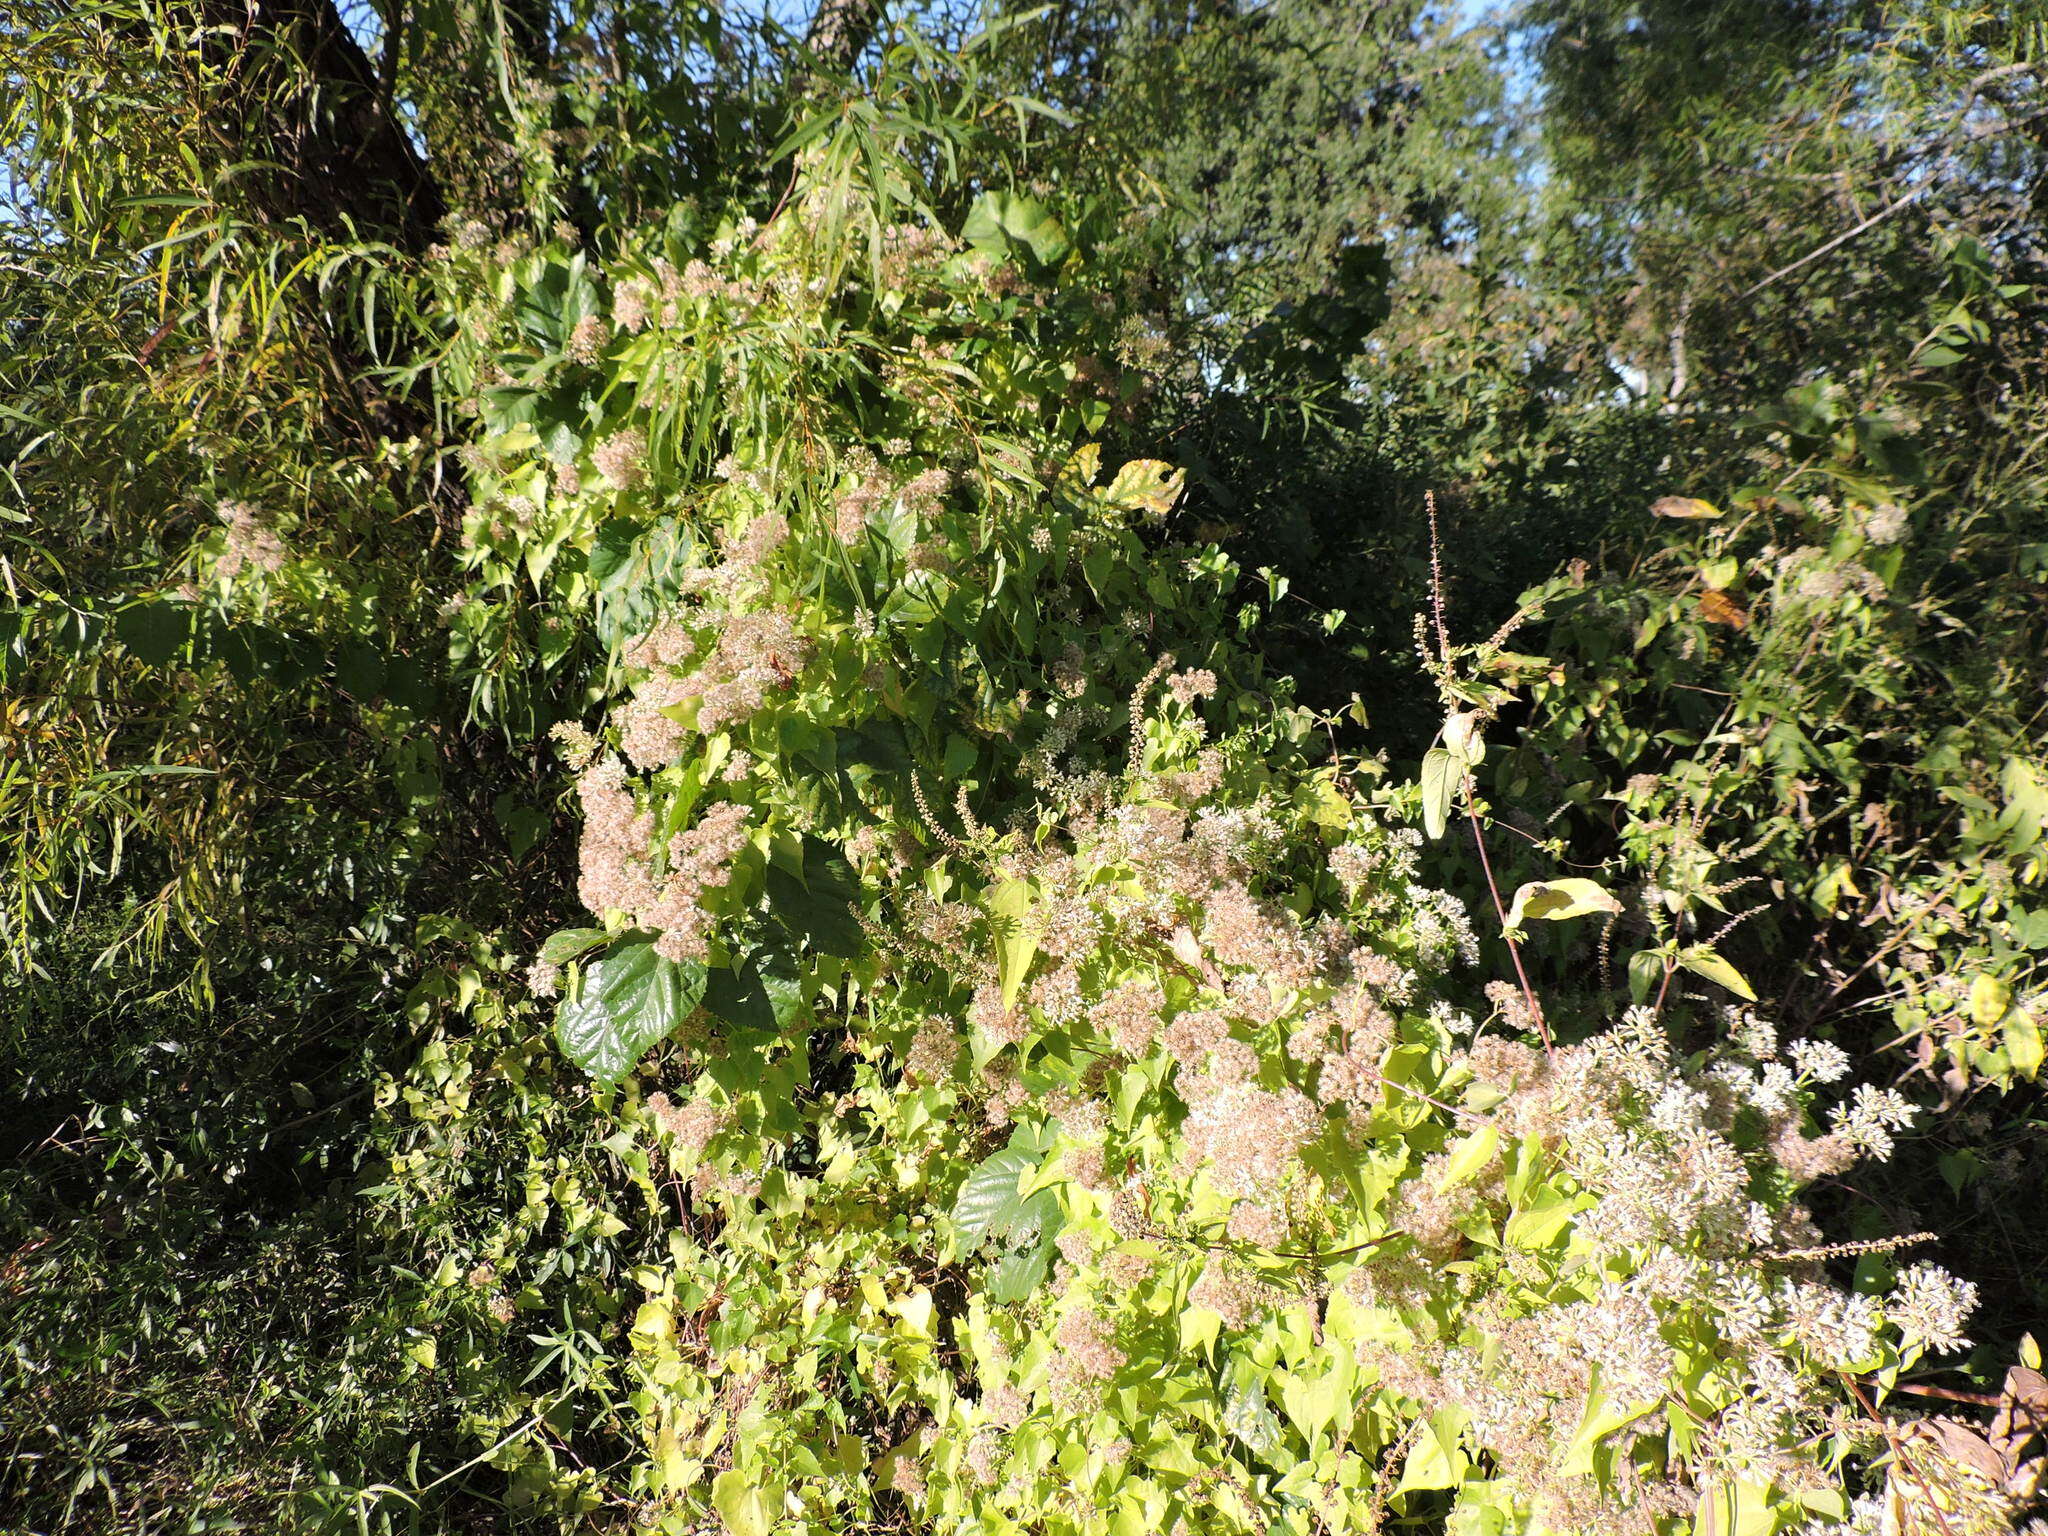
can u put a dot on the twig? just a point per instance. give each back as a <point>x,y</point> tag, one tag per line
<point>1501,911</point>
<point>1840,240</point>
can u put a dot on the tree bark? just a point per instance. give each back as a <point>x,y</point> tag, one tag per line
<point>841,29</point>
<point>312,104</point>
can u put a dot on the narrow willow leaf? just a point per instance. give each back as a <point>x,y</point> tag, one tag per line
<point>1645,971</point>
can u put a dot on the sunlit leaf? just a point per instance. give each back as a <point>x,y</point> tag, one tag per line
<point>629,1000</point>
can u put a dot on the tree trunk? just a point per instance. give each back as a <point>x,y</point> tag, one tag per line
<point>312,105</point>
<point>840,29</point>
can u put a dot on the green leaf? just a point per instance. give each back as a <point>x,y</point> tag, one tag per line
<point>154,632</point>
<point>989,1202</point>
<point>1645,973</point>
<point>359,668</point>
<point>1009,904</point>
<point>1442,772</point>
<point>1018,1273</point>
<point>1007,223</point>
<point>761,992</point>
<point>1555,900</point>
<point>817,907</point>
<point>1250,1419</point>
<point>1703,961</point>
<point>743,1507</point>
<point>629,1001</point>
<point>992,1208</point>
<point>560,948</point>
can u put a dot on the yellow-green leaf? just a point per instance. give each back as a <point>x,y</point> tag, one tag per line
<point>1685,508</point>
<point>1442,772</point>
<point>1702,961</point>
<point>1471,1154</point>
<point>1735,1509</point>
<point>2023,1044</point>
<point>1990,997</point>
<point>1720,573</point>
<point>1437,1460</point>
<point>743,1507</point>
<point>1016,939</point>
<point>1555,900</point>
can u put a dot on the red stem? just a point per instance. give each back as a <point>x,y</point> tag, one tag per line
<point>1501,911</point>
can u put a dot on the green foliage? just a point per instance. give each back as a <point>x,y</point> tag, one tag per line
<point>998,1063</point>
<point>1789,711</point>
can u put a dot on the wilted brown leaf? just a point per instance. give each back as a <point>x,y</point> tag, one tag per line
<point>1720,608</point>
<point>2019,1432</point>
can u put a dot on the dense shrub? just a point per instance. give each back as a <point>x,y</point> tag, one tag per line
<point>694,871</point>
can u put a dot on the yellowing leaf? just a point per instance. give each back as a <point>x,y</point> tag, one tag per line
<point>1085,465</point>
<point>1720,608</point>
<point>2023,1044</point>
<point>1689,508</point>
<point>1150,486</point>
<point>1555,900</point>
<point>1702,961</point>
<point>1838,882</point>
<point>1990,997</point>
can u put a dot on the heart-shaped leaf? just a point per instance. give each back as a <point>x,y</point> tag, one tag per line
<point>762,992</point>
<point>989,1203</point>
<point>1555,900</point>
<point>630,999</point>
<point>1441,773</point>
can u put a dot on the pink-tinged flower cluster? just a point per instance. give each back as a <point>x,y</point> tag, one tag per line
<point>756,654</point>
<point>619,872</point>
<point>1247,1135</point>
<point>1193,684</point>
<point>588,340</point>
<point>622,459</point>
<point>251,543</point>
